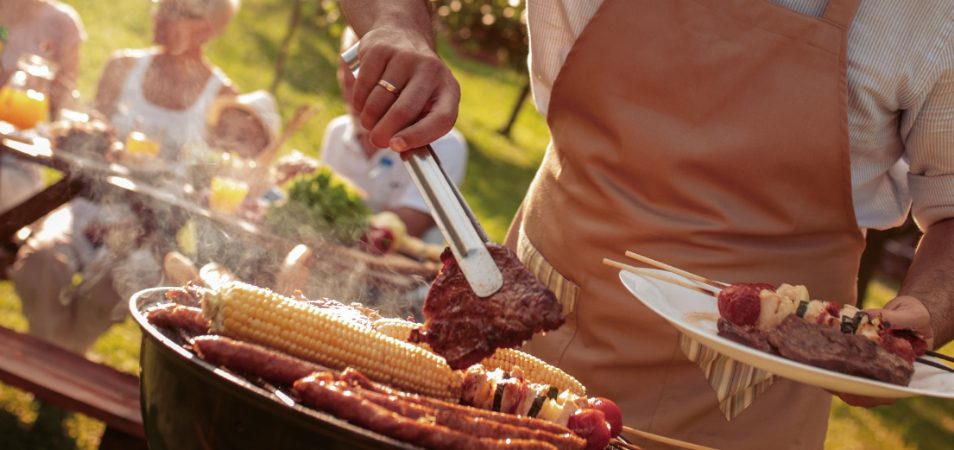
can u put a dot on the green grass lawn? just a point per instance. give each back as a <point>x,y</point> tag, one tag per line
<point>499,172</point>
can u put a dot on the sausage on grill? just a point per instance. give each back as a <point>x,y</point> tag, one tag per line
<point>465,422</point>
<point>178,317</point>
<point>337,399</point>
<point>252,359</point>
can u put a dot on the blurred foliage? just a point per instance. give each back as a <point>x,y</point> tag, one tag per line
<point>320,206</point>
<point>324,14</point>
<point>492,30</point>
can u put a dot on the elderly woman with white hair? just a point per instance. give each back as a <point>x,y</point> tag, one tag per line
<point>72,275</point>
<point>164,91</point>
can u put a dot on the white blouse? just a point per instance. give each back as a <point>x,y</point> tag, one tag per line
<point>901,98</point>
<point>175,129</point>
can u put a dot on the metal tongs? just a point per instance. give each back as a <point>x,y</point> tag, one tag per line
<point>464,235</point>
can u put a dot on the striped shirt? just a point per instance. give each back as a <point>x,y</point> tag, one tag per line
<point>901,98</point>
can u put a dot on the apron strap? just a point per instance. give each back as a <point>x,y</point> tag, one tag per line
<point>840,12</point>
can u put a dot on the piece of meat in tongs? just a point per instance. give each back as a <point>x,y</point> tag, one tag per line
<point>457,223</point>
<point>465,329</point>
<point>483,298</point>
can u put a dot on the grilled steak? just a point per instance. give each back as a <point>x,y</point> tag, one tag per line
<point>745,335</point>
<point>465,329</point>
<point>828,348</point>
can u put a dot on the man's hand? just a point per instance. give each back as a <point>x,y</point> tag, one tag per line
<point>908,312</point>
<point>397,46</point>
<point>902,312</point>
<point>423,108</point>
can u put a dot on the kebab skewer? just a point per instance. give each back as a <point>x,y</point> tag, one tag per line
<point>764,306</point>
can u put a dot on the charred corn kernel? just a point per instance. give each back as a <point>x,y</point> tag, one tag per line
<point>266,318</point>
<point>534,369</point>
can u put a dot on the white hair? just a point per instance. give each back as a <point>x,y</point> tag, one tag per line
<point>218,12</point>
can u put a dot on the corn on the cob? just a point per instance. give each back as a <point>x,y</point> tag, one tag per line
<point>534,369</point>
<point>263,317</point>
<point>399,329</point>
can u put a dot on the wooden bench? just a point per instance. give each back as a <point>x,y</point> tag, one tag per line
<point>73,382</point>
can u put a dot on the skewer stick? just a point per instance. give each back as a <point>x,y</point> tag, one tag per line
<point>676,270</point>
<point>939,355</point>
<point>665,440</point>
<point>935,364</point>
<point>646,273</point>
<point>625,445</point>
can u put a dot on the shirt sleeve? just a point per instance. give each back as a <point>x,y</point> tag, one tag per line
<point>929,148</point>
<point>451,149</point>
<point>331,143</point>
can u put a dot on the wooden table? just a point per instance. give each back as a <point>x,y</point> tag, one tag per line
<point>83,176</point>
<point>71,381</point>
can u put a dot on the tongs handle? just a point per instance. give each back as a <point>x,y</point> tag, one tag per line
<point>456,221</point>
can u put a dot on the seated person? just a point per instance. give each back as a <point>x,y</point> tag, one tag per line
<point>71,271</point>
<point>46,28</point>
<point>379,172</point>
<point>165,92</point>
<point>245,125</point>
<point>53,31</point>
<point>63,273</point>
<point>242,135</point>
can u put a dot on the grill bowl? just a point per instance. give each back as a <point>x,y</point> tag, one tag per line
<point>190,404</point>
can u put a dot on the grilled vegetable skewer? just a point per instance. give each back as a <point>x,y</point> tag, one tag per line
<point>507,359</point>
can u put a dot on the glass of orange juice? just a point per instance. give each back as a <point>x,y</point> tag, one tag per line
<point>23,108</point>
<point>227,194</point>
<point>24,101</point>
<point>137,143</point>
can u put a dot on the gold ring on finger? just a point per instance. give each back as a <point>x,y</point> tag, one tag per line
<point>388,86</point>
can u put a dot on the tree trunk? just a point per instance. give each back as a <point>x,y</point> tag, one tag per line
<point>524,93</point>
<point>293,22</point>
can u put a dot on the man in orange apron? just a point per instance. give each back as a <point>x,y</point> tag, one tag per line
<point>710,134</point>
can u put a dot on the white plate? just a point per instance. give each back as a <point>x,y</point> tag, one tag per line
<point>695,314</point>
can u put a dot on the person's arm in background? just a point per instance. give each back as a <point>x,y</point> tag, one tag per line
<point>417,222</point>
<point>397,45</point>
<point>67,59</point>
<point>111,83</point>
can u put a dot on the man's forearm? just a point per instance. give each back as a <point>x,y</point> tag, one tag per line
<point>931,278</point>
<point>411,15</point>
<point>417,222</point>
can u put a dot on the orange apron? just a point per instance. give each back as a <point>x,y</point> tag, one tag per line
<point>713,135</point>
